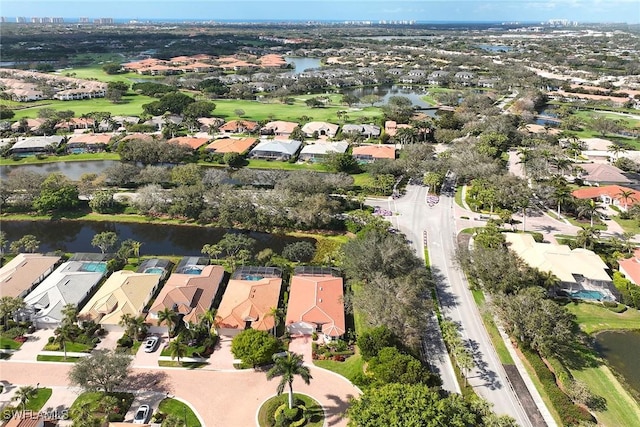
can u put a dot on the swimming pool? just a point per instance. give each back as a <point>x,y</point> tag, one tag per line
<point>191,269</point>
<point>252,277</point>
<point>99,267</point>
<point>589,295</point>
<point>154,270</point>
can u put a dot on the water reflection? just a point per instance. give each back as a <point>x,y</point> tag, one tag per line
<point>158,239</point>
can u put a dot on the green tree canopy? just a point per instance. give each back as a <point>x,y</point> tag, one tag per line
<point>254,347</point>
<point>103,370</point>
<point>57,193</point>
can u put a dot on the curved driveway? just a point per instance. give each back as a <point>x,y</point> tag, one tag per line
<point>223,399</point>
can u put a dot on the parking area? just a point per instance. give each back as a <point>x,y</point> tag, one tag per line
<point>143,359</point>
<point>34,345</point>
<point>109,341</point>
<point>151,398</point>
<point>222,359</point>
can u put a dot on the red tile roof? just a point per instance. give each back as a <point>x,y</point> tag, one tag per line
<point>376,151</point>
<point>193,143</point>
<point>232,145</point>
<point>317,301</point>
<point>612,191</point>
<point>631,267</point>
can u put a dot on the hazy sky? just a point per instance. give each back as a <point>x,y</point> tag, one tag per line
<point>419,10</point>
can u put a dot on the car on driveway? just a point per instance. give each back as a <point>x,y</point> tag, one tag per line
<point>141,415</point>
<point>151,344</point>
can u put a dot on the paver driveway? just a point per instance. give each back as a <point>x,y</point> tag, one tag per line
<point>226,399</point>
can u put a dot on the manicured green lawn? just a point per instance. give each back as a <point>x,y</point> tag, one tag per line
<point>349,368</point>
<point>362,180</point>
<point>593,318</point>
<point>93,400</point>
<point>95,72</point>
<point>37,402</point>
<point>492,329</point>
<point>628,225</point>
<point>131,105</point>
<point>587,115</point>
<point>622,409</point>
<point>179,409</point>
<point>255,110</point>
<point>277,164</point>
<point>72,347</point>
<point>268,408</point>
<point>8,343</point>
<point>43,358</point>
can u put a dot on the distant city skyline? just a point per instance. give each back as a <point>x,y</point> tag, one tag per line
<point>332,10</point>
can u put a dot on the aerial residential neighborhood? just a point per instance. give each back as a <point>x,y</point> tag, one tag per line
<point>320,214</point>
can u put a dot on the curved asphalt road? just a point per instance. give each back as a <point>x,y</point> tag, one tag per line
<point>414,217</point>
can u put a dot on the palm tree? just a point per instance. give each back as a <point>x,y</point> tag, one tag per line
<point>64,336</point>
<point>169,317</point>
<point>628,245</point>
<point>616,150</point>
<point>288,367</point>
<point>138,327</point>
<point>548,279</point>
<point>587,237</point>
<point>464,360</point>
<point>562,195</point>
<point>177,348</point>
<point>135,246</point>
<point>24,394</point>
<point>210,319</point>
<point>590,208</point>
<point>70,313</point>
<point>276,313</point>
<point>626,196</point>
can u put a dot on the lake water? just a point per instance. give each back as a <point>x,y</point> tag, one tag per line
<point>495,48</point>
<point>158,239</point>
<point>302,64</point>
<point>621,349</point>
<point>73,170</point>
<point>414,93</point>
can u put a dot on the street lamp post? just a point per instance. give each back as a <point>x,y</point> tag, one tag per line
<point>185,416</point>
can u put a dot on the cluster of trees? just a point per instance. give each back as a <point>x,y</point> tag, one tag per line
<point>25,190</point>
<point>389,286</point>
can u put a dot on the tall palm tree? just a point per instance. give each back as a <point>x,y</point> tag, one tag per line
<point>626,196</point>
<point>616,150</point>
<point>549,280</point>
<point>562,195</point>
<point>587,237</point>
<point>209,319</point>
<point>23,395</point>
<point>135,246</point>
<point>590,208</point>
<point>287,367</point>
<point>64,336</point>
<point>178,348</point>
<point>276,313</point>
<point>169,317</point>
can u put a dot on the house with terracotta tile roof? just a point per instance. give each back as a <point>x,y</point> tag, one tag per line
<point>239,126</point>
<point>231,145</point>
<point>188,141</point>
<point>189,293</point>
<point>124,292</point>
<point>630,267</point>
<point>371,153</point>
<point>316,304</point>
<point>71,283</point>
<point>88,142</point>
<point>250,295</point>
<point>27,419</point>
<point>272,60</point>
<point>391,127</point>
<point>609,195</point>
<point>279,128</point>
<point>24,272</point>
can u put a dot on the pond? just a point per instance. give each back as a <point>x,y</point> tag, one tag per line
<point>621,349</point>
<point>157,239</point>
<point>414,93</point>
<point>73,170</point>
<point>302,64</point>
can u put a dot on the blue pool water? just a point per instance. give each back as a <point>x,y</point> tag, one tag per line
<point>589,295</point>
<point>99,267</point>
<point>154,270</point>
<point>252,277</point>
<point>191,270</point>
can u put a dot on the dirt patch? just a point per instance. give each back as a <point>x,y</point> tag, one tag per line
<point>524,396</point>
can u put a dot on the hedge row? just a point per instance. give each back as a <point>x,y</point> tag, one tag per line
<point>570,413</point>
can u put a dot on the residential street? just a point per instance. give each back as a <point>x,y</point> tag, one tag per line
<point>414,217</point>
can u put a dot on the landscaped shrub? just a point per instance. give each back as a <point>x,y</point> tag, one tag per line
<point>570,413</point>
<point>125,342</point>
<point>14,332</point>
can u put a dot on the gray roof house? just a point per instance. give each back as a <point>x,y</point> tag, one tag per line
<point>35,145</point>
<point>71,283</point>
<point>368,131</point>
<point>275,149</point>
<point>317,152</point>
